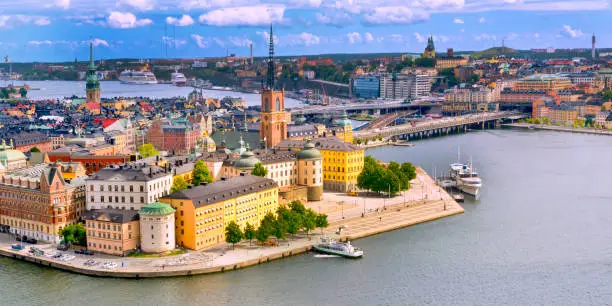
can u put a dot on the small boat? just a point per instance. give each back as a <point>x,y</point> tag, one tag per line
<point>178,79</point>
<point>531,127</point>
<point>344,249</point>
<point>404,144</point>
<point>459,198</point>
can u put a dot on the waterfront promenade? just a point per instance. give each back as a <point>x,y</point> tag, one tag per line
<point>423,202</point>
<point>559,128</point>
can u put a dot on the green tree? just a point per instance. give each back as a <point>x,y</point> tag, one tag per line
<point>233,234</point>
<point>290,218</point>
<point>34,149</point>
<point>147,150</point>
<point>23,92</point>
<point>280,228</point>
<point>321,222</point>
<point>297,207</point>
<point>266,228</point>
<point>201,174</point>
<point>249,232</point>
<point>607,95</point>
<point>4,93</point>
<point>259,170</point>
<point>178,184</point>
<point>309,221</point>
<point>409,170</point>
<point>425,62</point>
<point>75,234</point>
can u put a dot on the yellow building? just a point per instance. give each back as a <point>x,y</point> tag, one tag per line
<point>546,82</point>
<point>203,212</point>
<point>563,114</point>
<point>342,161</point>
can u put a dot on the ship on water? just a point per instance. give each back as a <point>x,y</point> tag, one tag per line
<point>178,79</point>
<point>332,247</point>
<point>138,77</point>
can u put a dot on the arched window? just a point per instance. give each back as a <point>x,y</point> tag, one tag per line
<point>266,105</point>
<point>278,107</point>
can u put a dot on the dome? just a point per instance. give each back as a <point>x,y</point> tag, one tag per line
<point>309,152</point>
<point>156,209</point>
<point>345,120</point>
<point>246,161</point>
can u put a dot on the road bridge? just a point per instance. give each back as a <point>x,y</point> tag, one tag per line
<point>375,109</point>
<point>442,126</point>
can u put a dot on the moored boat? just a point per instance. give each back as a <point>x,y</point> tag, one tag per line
<point>344,249</point>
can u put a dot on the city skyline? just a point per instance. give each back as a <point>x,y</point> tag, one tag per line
<point>34,30</point>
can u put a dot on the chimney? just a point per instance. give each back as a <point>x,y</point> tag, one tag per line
<point>150,172</point>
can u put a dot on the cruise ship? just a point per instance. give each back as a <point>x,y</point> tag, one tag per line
<point>137,77</point>
<point>178,79</point>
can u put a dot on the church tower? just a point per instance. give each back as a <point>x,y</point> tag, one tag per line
<point>273,127</point>
<point>430,50</point>
<point>92,88</point>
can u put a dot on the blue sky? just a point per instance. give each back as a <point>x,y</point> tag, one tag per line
<point>55,30</point>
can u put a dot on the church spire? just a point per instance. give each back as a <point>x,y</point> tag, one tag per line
<point>91,59</point>
<point>271,70</point>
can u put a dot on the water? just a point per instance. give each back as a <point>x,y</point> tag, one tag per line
<point>540,235</point>
<point>111,89</point>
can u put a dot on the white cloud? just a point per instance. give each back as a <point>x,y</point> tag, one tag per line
<point>354,37</point>
<point>244,16</point>
<point>239,41</point>
<point>395,15</point>
<point>368,37</point>
<point>439,4</point>
<point>420,38</point>
<point>483,37</point>
<point>219,42</point>
<point>458,21</point>
<point>536,35</point>
<point>200,41</point>
<point>351,6</point>
<point>10,21</point>
<point>184,21</point>
<point>305,39</point>
<point>177,43</point>
<point>64,4</point>
<point>100,42</point>
<point>513,1</point>
<point>482,20</point>
<point>38,43</point>
<point>338,18</point>
<point>143,5</point>
<point>121,20</point>
<point>307,3</point>
<point>570,32</point>
<point>188,5</point>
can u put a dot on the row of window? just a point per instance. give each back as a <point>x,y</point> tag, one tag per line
<point>105,247</point>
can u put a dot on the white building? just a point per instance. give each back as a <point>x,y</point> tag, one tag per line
<point>157,228</point>
<point>405,86</point>
<point>127,186</point>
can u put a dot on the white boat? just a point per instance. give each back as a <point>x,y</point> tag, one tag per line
<point>466,179</point>
<point>344,249</point>
<point>178,79</point>
<point>137,77</point>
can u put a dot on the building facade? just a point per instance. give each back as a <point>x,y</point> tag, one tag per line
<point>128,187</point>
<point>203,212</point>
<point>157,228</point>
<point>38,202</point>
<point>112,231</point>
<point>366,87</point>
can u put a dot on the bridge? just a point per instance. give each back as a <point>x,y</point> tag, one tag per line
<point>442,126</point>
<point>376,109</point>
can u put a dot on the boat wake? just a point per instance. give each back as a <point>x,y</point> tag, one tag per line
<point>325,256</point>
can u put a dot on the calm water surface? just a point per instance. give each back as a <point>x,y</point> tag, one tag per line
<point>111,89</point>
<point>540,235</point>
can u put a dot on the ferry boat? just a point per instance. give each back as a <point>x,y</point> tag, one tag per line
<point>344,249</point>
<point>137,77</point>
<point>178,79</point>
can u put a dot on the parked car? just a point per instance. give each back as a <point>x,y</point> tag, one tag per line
<point>17,247</point>
<point>88,252</point>
<point>32,241</point>
<point>79,252</point>
<point>90,262</point>
<point>109,265</point>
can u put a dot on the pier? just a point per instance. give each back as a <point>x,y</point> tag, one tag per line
<point>558,128</point>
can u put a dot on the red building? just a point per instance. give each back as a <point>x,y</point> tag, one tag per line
<point>92,163</point>
<point>24,142</point>
<point>176,137</point>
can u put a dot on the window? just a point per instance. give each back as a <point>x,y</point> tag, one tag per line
<point>152,236</point>
<point>151,226</point>
<point>131,199</point>
<point>141,188</point>
<point>129,227</point>
<point>91,188</point>
<point>101,187</point>
<point>131,188</point>
<point>122,188</point>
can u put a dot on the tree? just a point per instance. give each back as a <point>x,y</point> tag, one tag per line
<point>409,170</point>
<point>23,92</point>
<point>75,234</point>
<point>178,184</point>
<point>249,232</point>
<point>34,149</point>
<point>607,95</point>
<point>290,218</point>
<point>298,207</point>
<point>321,221</point>
<point>201,174</point>
<point>266,228</point>
<point>233,234</point>
<point>280,228</point>
<point>259,170</point>
<point>147,150</point>
<point>309,221</point>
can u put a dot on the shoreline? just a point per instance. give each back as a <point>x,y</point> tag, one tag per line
<point>558,128</point>
<point>395,216</point>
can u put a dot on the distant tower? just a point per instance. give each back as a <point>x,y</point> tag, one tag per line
<point>251,54</point>
<point>92,88</point>
<point>593,41</point>
<point>273,127</point>
<point>430,50</point>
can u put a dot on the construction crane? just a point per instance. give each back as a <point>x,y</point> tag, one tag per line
<point>324,101</point>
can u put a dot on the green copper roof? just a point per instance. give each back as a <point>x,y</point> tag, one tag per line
<point>156,209</point>
<point>246,161</point>
<point>309,152</point>
<point>345,120</point>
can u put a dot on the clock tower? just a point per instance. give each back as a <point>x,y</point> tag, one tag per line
<point>273,127</point>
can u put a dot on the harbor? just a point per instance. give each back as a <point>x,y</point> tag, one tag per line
<point>570,129</point>
<point>422,203</point>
